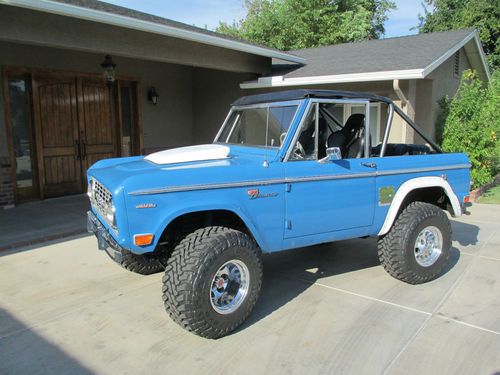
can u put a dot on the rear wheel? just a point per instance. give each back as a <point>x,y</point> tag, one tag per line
<point>212,281</point>
<point>417,248</point>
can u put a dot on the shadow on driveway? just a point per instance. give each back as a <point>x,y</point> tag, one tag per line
<point>304,267</point>
<point>465,234</point>
<point>22,350</point>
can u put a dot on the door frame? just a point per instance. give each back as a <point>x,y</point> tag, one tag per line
<point>138,141</point>
<point>28,74</point>
<point>19,194</point>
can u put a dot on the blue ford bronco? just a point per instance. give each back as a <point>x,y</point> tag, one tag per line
<point>286,170</point>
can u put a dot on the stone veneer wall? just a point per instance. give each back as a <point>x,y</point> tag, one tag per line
<point>6,184</point>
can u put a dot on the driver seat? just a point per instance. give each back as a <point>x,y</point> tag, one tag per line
<point>350,139</point>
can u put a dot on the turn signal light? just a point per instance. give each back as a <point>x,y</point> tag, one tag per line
<point>143,239</point>
<point>467,199</point>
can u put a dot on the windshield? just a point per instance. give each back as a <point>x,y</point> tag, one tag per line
<point>263,126</point>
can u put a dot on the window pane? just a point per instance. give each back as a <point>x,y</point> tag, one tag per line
<point>127,127</point>
<point>337,111</point>
<point>19,100</point>
<point>374,115</point>
<point>249,126</point>
<point>358,109</point>
<point>305,147</point>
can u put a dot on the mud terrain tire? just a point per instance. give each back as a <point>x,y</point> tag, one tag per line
<point>193,272</point>
<point>412,261</point>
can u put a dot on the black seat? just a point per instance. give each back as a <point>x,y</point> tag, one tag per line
<point>350,139</point>
<point>322,137</point>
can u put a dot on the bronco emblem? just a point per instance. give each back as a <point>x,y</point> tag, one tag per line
<point>255,194</point>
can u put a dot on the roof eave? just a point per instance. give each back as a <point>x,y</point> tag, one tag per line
<point>87,14</point>
<point>280,81</point>
<point>445,56</point>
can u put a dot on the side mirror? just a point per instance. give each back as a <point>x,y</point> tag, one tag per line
<point>332,153</point>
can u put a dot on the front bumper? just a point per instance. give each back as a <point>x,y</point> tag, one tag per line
<point>104,240</point>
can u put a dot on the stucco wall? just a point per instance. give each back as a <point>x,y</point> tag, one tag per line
<point>213,92</point>
<point>445,83</point>
<point>166,125</point>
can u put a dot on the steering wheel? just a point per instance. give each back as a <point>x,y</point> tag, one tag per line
<point>298,151</point>
<point>282,138</point>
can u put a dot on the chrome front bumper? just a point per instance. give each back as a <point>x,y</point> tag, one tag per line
<point>104,240</point>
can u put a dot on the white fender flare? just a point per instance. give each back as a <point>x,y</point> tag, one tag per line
<point>418,183</point>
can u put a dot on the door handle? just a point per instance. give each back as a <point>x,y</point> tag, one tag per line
<point>369,165</point>
<point>84,152</point>
<point>78,151</point>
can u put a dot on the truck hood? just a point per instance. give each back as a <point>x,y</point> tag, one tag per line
<point>185,166</point>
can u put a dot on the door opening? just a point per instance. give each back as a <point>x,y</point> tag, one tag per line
<point>61,124</point>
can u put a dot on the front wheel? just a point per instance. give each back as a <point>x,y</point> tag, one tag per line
<point>418,246</point>
<point>212,281</point>
<point>144,264</point>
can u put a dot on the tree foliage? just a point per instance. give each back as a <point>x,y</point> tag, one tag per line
<point>473,126</point>
<point>296,24</point>
<point>483,15</point>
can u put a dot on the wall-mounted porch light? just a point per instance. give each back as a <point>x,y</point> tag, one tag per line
<point>108,67</point>
<point>153,96</point>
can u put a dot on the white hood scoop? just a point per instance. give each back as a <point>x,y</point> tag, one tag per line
<point>191,153</point>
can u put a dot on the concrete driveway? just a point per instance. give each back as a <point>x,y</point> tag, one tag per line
<point>66,308</point>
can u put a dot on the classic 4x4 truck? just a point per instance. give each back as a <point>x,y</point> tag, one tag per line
<point>285,171</point>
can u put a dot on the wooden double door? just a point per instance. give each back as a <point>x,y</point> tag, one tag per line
<point>74,127</point>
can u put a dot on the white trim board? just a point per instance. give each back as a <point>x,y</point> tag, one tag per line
<point>87,14</point>
<point>280,81</point>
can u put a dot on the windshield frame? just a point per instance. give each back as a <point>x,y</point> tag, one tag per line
<point>287,103</point>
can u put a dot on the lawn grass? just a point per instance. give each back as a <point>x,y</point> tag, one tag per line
<point>491,196</point>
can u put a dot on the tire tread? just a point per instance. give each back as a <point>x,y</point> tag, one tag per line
<point>182,270</point>
<point>391,247</point>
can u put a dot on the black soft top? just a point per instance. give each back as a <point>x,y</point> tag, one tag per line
<point>281,96</point>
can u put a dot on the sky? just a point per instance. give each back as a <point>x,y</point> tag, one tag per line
<point>208,13</point>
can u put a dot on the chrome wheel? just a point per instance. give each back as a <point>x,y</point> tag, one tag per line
<point>428,246</point>
<point>229,286</point>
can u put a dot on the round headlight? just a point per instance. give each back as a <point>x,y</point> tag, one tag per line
<point>110,215</point>
<point>90,187</point>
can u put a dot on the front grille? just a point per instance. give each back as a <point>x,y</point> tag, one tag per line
<point>101,198</point>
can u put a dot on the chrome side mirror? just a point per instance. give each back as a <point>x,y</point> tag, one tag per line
<point>332,153</point>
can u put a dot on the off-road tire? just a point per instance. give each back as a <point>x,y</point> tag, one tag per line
<point>396,248</point>
<point>144,264</point>
<point>189,275</point>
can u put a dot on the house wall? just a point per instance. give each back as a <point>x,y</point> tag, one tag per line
<point>213,92</point>
<point>444,82</point>
<point>424,108</point>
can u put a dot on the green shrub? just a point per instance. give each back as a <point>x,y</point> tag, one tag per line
<point>473,126</point>
<point>444,110</point>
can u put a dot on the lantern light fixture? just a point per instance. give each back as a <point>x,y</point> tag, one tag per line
<point>108,67</point>
<point>153,95</point>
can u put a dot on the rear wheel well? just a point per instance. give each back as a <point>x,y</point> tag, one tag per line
<point>435,195</point>
<point>181,226</point>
